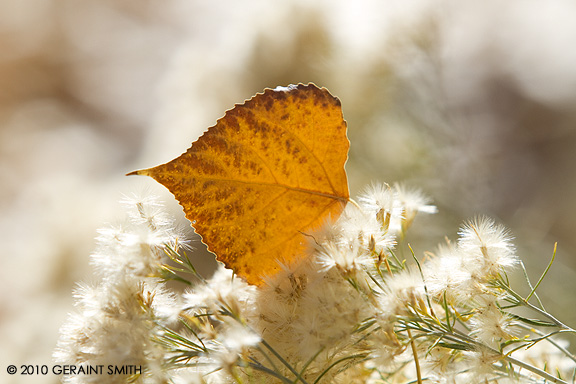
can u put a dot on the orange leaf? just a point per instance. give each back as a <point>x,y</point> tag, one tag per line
<point>269,170</point>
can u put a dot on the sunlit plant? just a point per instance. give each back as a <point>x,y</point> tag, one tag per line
<point>319,288</point>
<point>353,311</point>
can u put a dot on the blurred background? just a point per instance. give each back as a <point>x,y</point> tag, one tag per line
<point>472,102</point>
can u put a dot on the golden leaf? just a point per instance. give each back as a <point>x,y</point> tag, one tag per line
<point>269,170</point>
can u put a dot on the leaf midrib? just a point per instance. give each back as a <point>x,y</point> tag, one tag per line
<point>272,184</point>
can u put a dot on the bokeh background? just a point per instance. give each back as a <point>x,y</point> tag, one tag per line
<point>474,102</point>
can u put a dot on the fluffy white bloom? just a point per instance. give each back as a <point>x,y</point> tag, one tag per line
<point>118,320</point>
<point>350,311</point>
<point>350,259</point>
<point>411,201</point>
<point>395,207</point>
<point>487,245</point>
<point>136,246</point>
<point>491,326</point>
<point>480,366</point>
<point>327,315</point>
<point>116,324</point>
<point>305,310</point>
<point>223,290</point>
<point>363,228</point>
<point>544,355</point>
<point>378,197</point>
<point>137,251</point>
<point>147,210</point>
<point>447,275</point>
<point>234,341</point>
<point>406,287</point>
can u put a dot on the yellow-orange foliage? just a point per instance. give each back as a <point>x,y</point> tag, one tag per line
<point>268,171</point>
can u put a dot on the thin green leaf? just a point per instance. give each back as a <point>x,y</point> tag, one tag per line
<point>534,322</point>
<point>543,274</point>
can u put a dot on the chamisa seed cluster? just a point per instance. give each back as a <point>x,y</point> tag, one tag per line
<point>361,308</point>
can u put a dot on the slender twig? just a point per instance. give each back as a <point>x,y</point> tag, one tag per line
<point>525,272</point>
<point>537,371</point>
<point>415,354</point>
<point>336,363</point>
<point>548,338</point>
<point>256,365</point>
<point>284,362</point>
<point>543,274</point>
<point>308,364</point>
<point>423,280</point>
<point>523,301</point>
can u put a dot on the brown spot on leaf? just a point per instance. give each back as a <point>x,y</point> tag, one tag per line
<point>248,184</point>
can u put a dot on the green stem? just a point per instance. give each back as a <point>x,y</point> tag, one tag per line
<point>537,371</point>
<point>523,301</point>
<point>543,273</point>
<point>525,272</point>
<point>286,364</point>
<point>337,362</point>
<point>458,336</point>
<point>269,371</point>
<point>308,364</point>
<point>548,339</point>
<point>268,358</point>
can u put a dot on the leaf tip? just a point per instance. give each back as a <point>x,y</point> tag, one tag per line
<point>137,172</point>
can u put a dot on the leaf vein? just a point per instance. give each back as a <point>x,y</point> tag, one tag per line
<point>264,184</point>
<point>320,163</point>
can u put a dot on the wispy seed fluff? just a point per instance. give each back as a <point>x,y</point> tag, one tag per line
<point>136,245</point>
<point>311,310</point>
<point>222,292</point>
<point>116,324</point>
<point>309,314</point>
<point>354,310</point>
<point>395,206</point>
<point>463,271</point>
<point>118,319</point>
<point>487,246</point>
<point>490,324</point>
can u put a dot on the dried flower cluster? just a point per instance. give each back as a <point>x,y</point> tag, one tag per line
<point>119,319</point>
<point>354,311</point>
